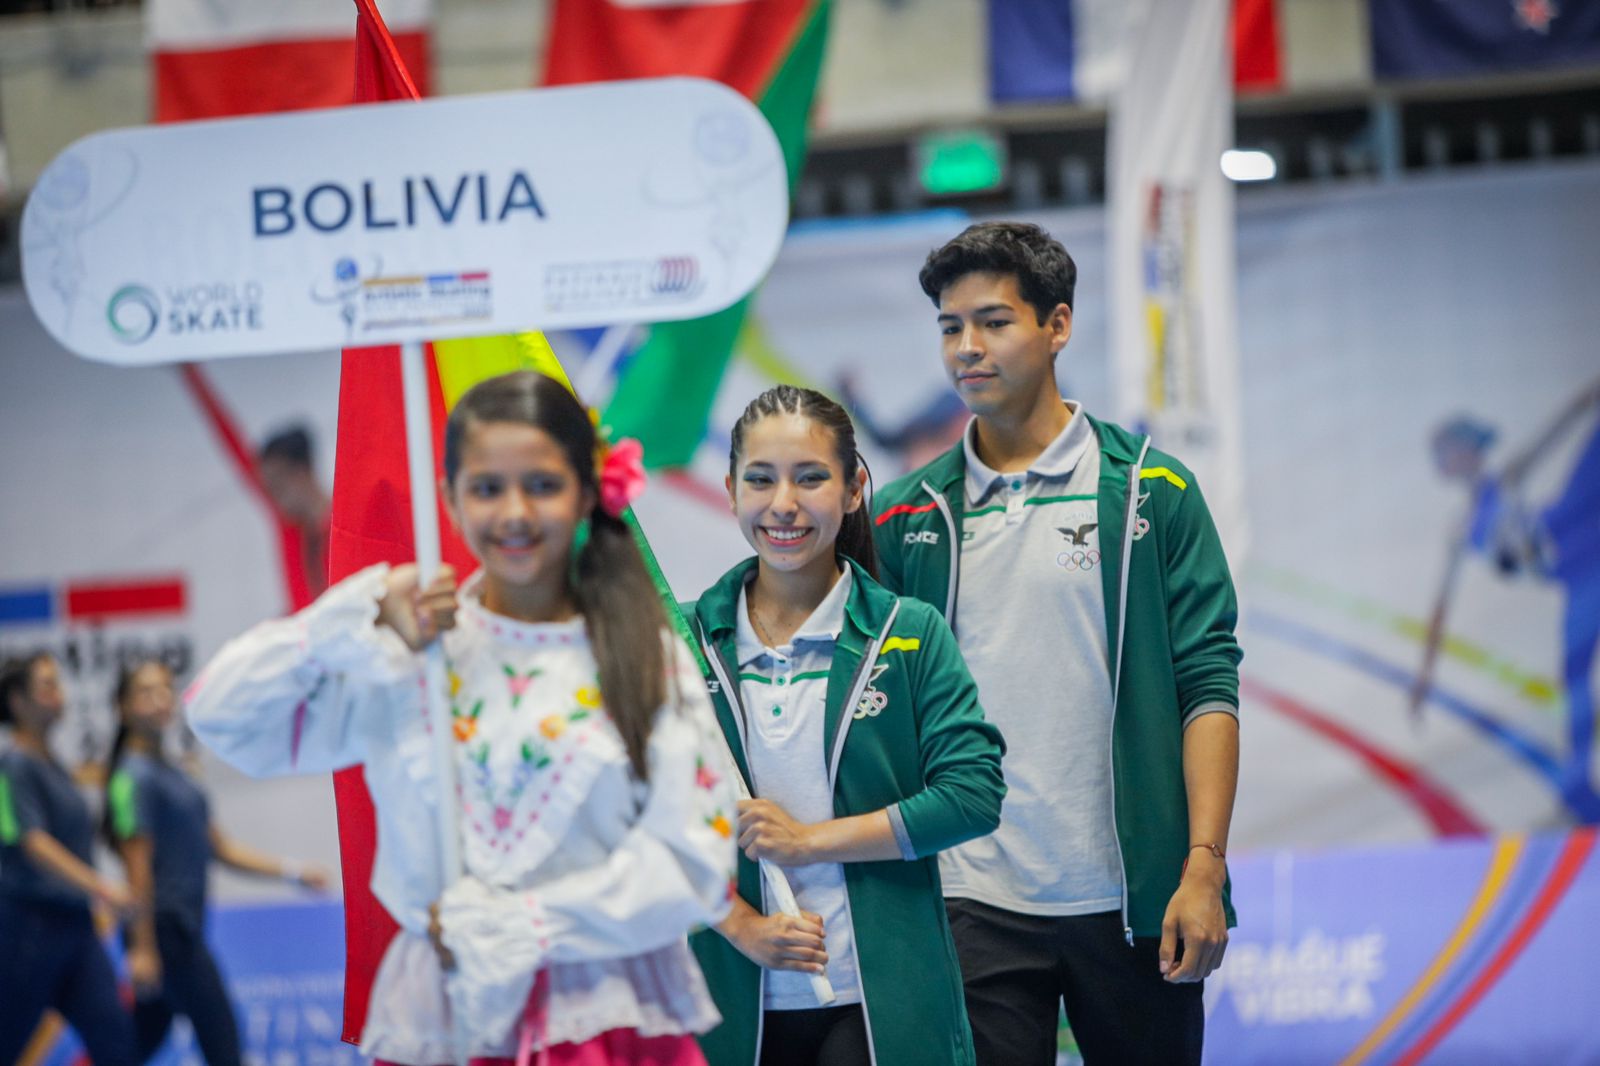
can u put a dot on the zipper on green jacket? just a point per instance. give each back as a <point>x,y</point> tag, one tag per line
<point>955,553</point>
<point>1116,676</point>
<point>858,685</point>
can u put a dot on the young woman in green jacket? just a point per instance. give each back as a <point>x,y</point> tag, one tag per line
<point>856,727</point>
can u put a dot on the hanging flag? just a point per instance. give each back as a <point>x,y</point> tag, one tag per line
<point>1175,359</point>
<point>1430,39</point>
<point>215,58</point>
<point>769,50</point>
<point>1080,49</point>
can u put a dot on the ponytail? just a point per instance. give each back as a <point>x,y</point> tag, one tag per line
<point>108,817</point>
<point>119,698</point>
<point>855,532</point>
<point>622,610</point>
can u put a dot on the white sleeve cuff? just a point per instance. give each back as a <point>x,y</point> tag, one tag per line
<point>499,939</point>
<point>342,635</point>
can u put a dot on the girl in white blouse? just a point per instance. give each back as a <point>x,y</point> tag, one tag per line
<point>595,816</point>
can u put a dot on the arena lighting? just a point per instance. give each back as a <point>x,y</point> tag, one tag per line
<point>1239,164</point>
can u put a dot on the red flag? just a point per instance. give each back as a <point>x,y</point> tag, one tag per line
<point>214,58</point>
<point>1257,58</point>
<point>371,524</point>
<point>739,44</point>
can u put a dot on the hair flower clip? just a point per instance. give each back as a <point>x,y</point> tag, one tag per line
<point>621,476</point>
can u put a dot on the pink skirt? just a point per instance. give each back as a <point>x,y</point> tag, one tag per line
<point>618,1047</point>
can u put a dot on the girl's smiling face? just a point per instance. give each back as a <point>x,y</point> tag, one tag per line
<point>517,502</point>
<point>789,493</point>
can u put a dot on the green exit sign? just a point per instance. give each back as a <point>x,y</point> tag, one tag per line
<point>960,161</point>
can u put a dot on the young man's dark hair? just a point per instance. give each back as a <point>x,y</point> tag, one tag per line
<point>291,445</point>
<point>1045,273</point>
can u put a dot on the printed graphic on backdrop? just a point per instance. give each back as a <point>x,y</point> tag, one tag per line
<point>410,226</point>
<point>1173,327</point>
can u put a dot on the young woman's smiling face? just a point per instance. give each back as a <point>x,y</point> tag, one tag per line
<point>517,501</point>
<point>789,492</point>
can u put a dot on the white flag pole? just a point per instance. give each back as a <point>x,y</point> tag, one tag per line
<point>777,882</point>
<point>425,538</point>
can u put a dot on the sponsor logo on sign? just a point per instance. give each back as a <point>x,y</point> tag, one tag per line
<point>133,314</point>
<point>379,302</point>
<point>600,286</point>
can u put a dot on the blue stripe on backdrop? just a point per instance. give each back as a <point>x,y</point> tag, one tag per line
<point>1514,741</point>
<point>1031,50</point>
<point>26,606</point>
<point>1429,39</point>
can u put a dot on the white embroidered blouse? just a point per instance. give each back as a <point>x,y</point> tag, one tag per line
<point>574,866</point>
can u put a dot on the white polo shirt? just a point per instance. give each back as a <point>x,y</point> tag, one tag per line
<point>1030,619</point>
<point>785,693</point>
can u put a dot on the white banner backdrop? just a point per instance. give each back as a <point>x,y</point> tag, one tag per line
<point>412,221</point>
<point>1171,268</point>
<point>1370,318</point>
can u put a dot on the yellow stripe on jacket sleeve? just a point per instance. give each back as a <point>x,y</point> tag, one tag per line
<point>1163,472</point>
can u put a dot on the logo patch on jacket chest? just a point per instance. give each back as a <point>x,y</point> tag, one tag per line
<point>872,702</point>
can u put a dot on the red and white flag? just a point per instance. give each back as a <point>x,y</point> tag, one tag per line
<point>213,58</point>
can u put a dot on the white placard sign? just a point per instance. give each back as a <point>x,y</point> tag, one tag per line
<point>633,201</point>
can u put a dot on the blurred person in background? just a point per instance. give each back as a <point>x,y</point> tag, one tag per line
<point>286,464</point>
<point>51,957</point>
<point>159,822</point>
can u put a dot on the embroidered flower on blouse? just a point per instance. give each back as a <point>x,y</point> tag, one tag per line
<point>588,697</point>
<point>465,723</point>
<point>704,776</point>
<point>519,682</point>
<point>455,684</point>
<point>552,726</point>
<point>720,824</point>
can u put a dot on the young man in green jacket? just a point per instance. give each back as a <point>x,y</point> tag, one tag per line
<point>1088,590</point>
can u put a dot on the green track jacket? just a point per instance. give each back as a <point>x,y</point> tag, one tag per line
<point>1170,614</point>
<point>930,758</point>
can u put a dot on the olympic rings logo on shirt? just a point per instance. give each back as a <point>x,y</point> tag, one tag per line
<point>1078,560</point>
<point>871,704</point>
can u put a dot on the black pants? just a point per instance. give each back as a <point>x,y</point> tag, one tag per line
<point>52,959</point>
<point>191,985</point>
<point>823,1036</point>
<point>1019,970</point>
